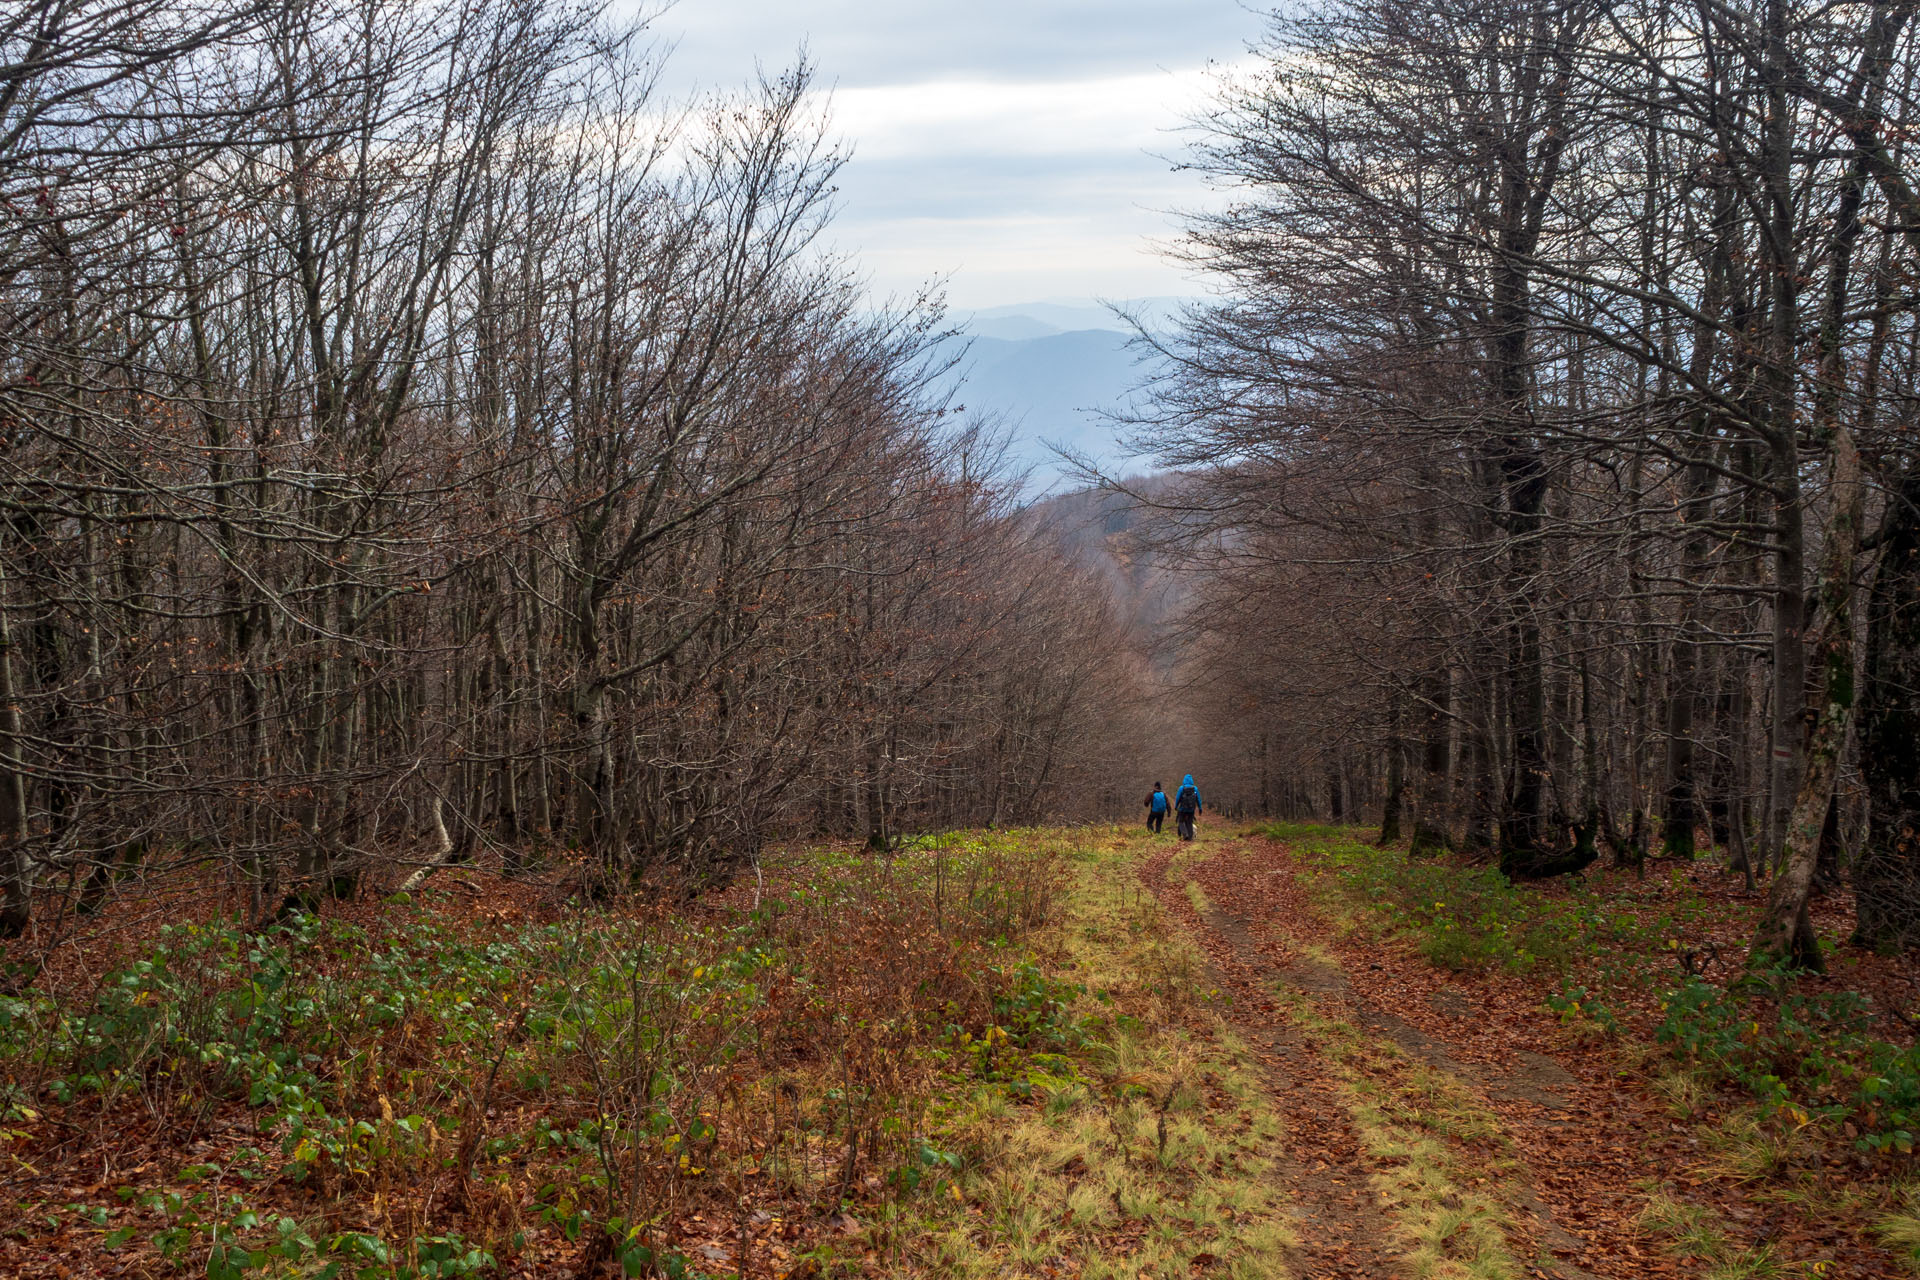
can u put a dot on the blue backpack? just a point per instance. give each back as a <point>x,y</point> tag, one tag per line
<point>1159,802</point>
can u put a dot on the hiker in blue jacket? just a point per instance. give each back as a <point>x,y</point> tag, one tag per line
<point>1157,806</point>
<point>1187,806</point>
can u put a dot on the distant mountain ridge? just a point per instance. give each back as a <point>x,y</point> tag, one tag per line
<point>1104,531</point>
<point>1009,328</point>
<point>1057,374</point>
<point>1035,319</point>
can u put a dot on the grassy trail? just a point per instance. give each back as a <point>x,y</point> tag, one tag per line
<point>1249,1115</point>
<point>1404,1152</point>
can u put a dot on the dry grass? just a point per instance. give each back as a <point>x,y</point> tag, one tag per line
<point>1159,1161</point>
<point>1745,1148</point>
<point>1687,1095</point>
<point>1695,1232</point>
<point>1899,1229</point>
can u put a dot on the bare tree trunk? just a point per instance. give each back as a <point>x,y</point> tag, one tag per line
<point>1432,819</point>
<point>1396,773</point>
<point>15,894</point>
<point>1785,934</point>
<point>444,847</point>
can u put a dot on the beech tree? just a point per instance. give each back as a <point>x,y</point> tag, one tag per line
<point>1561,349</point>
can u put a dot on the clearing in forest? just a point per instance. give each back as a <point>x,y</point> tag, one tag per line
<point>1087,1053</point>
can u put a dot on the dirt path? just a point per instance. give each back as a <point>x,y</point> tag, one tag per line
<point>1567,1145</point>
<point>1338,1216</point>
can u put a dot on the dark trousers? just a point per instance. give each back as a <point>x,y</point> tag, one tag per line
<point>1154,820</point>
<point>1186,826</point>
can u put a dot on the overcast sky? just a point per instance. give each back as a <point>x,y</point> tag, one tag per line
<point>1017,148</point>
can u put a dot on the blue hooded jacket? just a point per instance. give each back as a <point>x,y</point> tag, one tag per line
<point>1180,796</point>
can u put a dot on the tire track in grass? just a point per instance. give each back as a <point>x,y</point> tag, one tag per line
<point>1544,1142</point>
<point>1325,1168</point>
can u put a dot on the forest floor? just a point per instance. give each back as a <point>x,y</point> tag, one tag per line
<point>1082,1053</point>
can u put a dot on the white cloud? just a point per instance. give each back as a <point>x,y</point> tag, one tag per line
<point>1015,190</point>
<point>861,42</point>
<point>1017,148</point>
<point>1129,115</point>
<point>989,262</point>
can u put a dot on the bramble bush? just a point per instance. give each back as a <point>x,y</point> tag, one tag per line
<point>1580,1008</point>
<point>1802,1055</point>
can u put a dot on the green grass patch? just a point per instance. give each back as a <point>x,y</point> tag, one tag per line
<point>1469,919</point>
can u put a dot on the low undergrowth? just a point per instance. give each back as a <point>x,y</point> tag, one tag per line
<point>419,1093</point>
<point>1472,919</point>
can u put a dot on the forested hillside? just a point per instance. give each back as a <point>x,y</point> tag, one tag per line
<point>1113,536</point>
<point>419,441</point>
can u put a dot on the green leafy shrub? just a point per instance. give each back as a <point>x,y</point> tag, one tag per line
<point>1034,1009</point>
<point>1808,1055</point>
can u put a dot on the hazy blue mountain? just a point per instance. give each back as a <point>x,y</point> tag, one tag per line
<point>1064,315</point>
<point>1051,385</point>
<point>1011,328</point>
